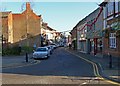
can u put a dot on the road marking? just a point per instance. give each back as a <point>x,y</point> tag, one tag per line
<point>95,68</point>
<point>23,65</point>
<point>84,83</point>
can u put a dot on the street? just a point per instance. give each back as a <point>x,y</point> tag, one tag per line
<point>61,68</point>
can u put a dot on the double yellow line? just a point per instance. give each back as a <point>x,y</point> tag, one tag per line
<point>95,68</point>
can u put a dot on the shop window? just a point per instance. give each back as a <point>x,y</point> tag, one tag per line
<point>112,40</point>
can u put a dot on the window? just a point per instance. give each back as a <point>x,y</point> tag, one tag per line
<point>112,40</point>
<point>116,7</point>
<point>41,49</point>
<point>110,7</point>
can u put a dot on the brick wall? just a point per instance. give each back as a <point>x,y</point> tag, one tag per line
<point>10,26</point>
<point>26,28</point>
<point>114,52</point>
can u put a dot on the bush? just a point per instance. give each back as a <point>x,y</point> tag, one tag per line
<point>27,49</point>
<point>16,50</point>
<point>11,51</point>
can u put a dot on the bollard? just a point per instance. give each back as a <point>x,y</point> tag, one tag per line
<point>110,61</point>
<point>26,57</point>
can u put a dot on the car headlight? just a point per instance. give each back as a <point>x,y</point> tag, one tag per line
<point>46,56</point>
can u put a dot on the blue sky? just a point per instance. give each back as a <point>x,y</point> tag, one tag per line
<point>61,16</point>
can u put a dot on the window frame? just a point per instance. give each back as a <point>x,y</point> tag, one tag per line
<point>112,40</point>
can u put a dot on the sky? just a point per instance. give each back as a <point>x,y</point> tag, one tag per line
<point>61,16</point>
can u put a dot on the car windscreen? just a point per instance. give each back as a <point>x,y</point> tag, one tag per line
<point>41,49</point>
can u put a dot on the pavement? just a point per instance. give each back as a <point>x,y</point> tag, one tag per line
<point>17,61</point>
<point>112,73</point>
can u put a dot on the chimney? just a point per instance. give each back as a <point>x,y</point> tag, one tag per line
<point>28,6</point>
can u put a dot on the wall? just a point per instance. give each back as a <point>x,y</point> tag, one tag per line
<point>10,27</point>
<point>113,51</point>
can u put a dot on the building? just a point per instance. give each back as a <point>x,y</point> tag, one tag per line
<point>6,18</point>
<point>49,35</point>
<point>111,43</point>
<point>94,32</point>
<point>57,37</point>
<point>87,34</point>
<point>81,36</point>
<point>69,40</point>
<point>21,29</point>
<point>74,37</point>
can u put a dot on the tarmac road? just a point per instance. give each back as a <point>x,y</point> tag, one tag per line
<point>61,68</point>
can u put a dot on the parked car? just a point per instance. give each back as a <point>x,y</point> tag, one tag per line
<point>53,45</point>
<point>57,45</point>
<point>61,45</point>
<point>52,48</point>
<point>49,49</point>
<point>41,53</point>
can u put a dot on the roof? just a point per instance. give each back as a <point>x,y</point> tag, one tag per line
<point>104,3</point>
<point>4,14</point>
<point>44,24</point>
<point>50,28</point>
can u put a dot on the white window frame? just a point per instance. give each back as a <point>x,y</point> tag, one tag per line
<point>112,40</point>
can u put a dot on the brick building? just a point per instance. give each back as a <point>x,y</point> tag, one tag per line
<point>6,19</point>
<point>111,41</point>
<point>74,37</point>
<point>22,29</point>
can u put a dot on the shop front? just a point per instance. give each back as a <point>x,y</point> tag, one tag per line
<point>94,42</point>
<point>112,37</point>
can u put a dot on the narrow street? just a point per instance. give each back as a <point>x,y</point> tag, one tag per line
<point>61,68</point>
<point>76,43</point>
